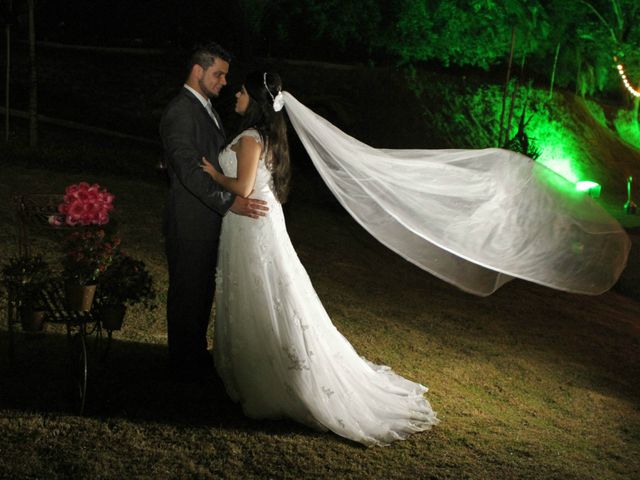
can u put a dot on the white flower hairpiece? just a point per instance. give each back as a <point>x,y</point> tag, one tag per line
<point>278,100</point>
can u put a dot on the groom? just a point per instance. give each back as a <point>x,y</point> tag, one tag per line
<point>191,129</point>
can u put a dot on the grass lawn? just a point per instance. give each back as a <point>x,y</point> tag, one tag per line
<point>528,383</point>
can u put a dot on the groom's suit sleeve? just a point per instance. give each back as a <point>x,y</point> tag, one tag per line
<point>181,136</point>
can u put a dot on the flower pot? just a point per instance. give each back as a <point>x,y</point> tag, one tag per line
<point>79,297</point>
<point>31,319</point>
<point>112,316</point>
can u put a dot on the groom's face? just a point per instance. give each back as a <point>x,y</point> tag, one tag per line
<point>213,78</point>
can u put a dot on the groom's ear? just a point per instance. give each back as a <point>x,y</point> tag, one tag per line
<point>196,71</point>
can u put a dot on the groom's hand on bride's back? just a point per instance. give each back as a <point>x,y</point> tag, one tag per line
<point>249,207</point>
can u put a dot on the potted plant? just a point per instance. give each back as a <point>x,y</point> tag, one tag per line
<point>87,255</point>
<point>25,277</point>
<point>126,282</point>
<point>88,252</point>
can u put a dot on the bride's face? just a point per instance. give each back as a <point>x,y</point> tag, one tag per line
<point>242,101</point>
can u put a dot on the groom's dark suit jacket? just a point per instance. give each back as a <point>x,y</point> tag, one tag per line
<point>193,217</point>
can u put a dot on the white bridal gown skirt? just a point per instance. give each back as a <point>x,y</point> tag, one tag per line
<point>278,353</point>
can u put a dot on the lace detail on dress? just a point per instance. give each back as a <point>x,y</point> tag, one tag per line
<point>295,362</point>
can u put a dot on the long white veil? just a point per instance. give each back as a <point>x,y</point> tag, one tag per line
<point>474,218</point>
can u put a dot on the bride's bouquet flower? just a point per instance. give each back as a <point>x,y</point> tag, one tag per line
<point>84,204</point>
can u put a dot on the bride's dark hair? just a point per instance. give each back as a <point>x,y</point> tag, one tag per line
<point>271,126</point>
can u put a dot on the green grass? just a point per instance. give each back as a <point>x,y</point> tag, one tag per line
<point>528,383</point>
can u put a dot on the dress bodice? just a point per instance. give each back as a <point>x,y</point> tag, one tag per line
<point>229,164</point>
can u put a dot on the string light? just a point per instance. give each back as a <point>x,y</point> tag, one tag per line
<point>627,85</point>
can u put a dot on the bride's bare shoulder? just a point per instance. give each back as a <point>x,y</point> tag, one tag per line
<point>249,139</point>
<point>251,133</point>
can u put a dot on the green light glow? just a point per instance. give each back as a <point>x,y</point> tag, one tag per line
<point>550,127</point>
<point>561,149</point>
<point>592,188</point>
<point>559,153</point>
<point>586,185</point>
<point>562,166</point>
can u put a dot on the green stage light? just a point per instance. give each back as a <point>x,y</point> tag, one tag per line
<point>592,188</point>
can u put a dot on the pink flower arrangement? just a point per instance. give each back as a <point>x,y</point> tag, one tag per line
<point>85,204</point>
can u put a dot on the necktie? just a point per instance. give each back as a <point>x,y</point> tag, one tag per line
<point>210,112</point>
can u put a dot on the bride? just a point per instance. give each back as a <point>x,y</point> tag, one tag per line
<point>474,218</point>
<point>275,347</point>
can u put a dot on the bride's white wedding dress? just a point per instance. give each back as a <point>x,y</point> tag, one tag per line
<point>275,347</point>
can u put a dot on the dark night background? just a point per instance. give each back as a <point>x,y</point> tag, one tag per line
<point>568,43</point>
<point>531,383</point>
<point>444,61</point>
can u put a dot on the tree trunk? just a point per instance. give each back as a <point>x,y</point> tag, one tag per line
<point>7,99</point>
<point>553,71</point>
<point>506,85</point>
<point>33,78</point>
<point>578,72</point>
<point>514,94</point>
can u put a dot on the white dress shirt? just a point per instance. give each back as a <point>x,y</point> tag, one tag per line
<point>206,103</point>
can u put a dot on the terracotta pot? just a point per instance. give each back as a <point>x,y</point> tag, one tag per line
<point>31,319</point>
<point>79,297</point>
<point>112,316</point>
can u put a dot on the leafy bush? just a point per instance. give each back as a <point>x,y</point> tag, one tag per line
<point>127,281</point>
<point>627,127</point>
<point>26,276</point>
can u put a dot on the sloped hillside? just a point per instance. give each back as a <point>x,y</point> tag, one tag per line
<point>607,154</point>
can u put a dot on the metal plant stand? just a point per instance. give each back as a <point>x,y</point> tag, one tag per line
<point>86,345</point>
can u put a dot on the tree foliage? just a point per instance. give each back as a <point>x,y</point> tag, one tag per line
<point>466,32</point>
<point>586,34</point>
<point>323,26</point>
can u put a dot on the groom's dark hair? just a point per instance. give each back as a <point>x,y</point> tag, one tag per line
<point>205,55</point>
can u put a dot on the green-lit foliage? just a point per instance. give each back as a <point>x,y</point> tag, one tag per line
<point>476,122</point>
<point>561,150</point>
<point>593,31</point>
<point>596,112</point>
<point>521,142</point>
<point>477,33</point>
<point>465,32</point>
<point>588,33</point>
<point>626,125</point>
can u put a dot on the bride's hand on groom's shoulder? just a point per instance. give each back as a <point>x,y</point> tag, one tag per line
<point>249,207</point>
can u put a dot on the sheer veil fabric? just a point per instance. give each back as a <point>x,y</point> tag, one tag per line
<point>474,218</point>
